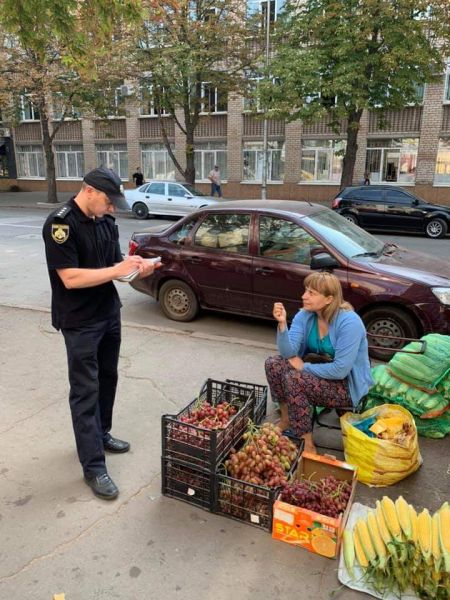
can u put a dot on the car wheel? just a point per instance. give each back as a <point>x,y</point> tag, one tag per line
<point>140,210</point>
<point>351,217</point>
<point>436,228</point>
<point>178,301</point>
<point>388,321</point>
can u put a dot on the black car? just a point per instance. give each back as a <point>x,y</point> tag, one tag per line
<point>388,207</point>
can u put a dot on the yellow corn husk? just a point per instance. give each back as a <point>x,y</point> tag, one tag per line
<point>377,541</point>
<point>444,534</point>
<point>424,532</point>
<point>413,517</point>
<point>384,531</point>
<point>349,550</point>
<point>391,519</point>
<point>402,510</point>
<point>359,552</point>
<point>435,542</point>
<point>366,542</point>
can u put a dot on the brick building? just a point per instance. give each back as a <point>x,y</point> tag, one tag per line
<point>409,147</point>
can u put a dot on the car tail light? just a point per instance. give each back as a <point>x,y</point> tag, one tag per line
<point>132,247</point>
<point>336,202</point>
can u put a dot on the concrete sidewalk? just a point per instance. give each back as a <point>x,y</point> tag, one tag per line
<point>57,537</point>
<point>31,199</point>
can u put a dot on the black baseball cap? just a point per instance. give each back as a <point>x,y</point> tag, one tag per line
<point>106,180</point>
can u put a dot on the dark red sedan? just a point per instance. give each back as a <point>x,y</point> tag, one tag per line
<point>243,256</point>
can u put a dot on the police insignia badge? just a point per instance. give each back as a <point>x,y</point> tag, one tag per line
<point>60,233</point>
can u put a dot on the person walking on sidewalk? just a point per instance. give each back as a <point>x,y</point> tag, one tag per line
<point>214,177</point>
<point>83,259</point>
<point>138,177</point>
<point>324,356</point>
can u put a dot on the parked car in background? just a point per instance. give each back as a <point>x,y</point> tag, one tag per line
<point>243,257</point>
<point>160,197</point>
<point>393,208</point>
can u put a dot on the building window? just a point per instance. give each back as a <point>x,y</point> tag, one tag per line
<point>442,175</point>
<point>156,162</point>
<point>148,107</point>
<point>28,112</point>
<point>447,82</point>
<point>392,160</point>
<point>206,156</point>
<point>212,99</point>
<point>30,161</point>
<point>254,160</point>
<point>322,160</point>
<point>69,161</point>
<point>260,7</point>
<point>251,98</point>
<point>60,106</point>
<point>113,156</point>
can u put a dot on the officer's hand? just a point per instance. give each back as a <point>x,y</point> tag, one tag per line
<point>127,266</point>
<point>147,268</point>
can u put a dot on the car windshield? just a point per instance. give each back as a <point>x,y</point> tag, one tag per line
<point>192,190</point>
<point>349,239</point>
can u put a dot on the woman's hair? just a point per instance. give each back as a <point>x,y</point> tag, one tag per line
<point>329,285</point>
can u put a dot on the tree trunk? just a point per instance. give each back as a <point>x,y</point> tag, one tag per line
<point>189,173</point>
<point>52,195</point>
<point>348,166</point>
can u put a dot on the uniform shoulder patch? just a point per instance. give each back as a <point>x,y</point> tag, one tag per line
<point>60,232</point>
<point>63,211</point>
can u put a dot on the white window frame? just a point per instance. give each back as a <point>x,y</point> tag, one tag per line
<point>213,109</point>
<point>446,99</point>
<point>328,148</point>
<point>115,153</point>
<point>24,155</point>
<point>149,154</point>
<point>73,114</point>
<point>445,164</point>
<point>34,112</point>
<point>253,147</point>
<point>147,108</point>
<point>252,101</point>
<point>201,150</point>
<point>402,150</point>
<point>65,151</point>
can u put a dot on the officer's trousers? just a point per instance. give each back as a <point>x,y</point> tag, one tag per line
<point>92,356</point>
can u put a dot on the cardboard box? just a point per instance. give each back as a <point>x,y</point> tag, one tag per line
<point>306,528</point>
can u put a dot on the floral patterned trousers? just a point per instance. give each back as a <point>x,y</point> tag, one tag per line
<point>301,391</point>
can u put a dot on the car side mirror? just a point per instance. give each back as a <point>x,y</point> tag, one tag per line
<point>187,196</point>
<point>415,202</point>
<point>323,261</point>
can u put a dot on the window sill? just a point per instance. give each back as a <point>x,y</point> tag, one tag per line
<point>319,183</point>
<point>29,121</point>
<point>211,114</point>
<point>152,116</point>
<point>69,179</point>
<point>441,184</point>
<point>32,178</point>
<point>208,181</point>
<point>260,182</point>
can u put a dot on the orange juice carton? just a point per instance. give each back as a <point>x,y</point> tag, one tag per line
<point>307,528</point>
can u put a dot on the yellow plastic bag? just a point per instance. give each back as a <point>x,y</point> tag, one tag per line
<point>381,462</point>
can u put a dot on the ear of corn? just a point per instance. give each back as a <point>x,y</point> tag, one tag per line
<point>377,541</point>
<point>349,551</point>
<point>444,534</point>
<point>424,532</point>
<point>435,542</point>
<point>390,516</point>
<point>413,517</point>
<point>403,515</point>
<point>384,531</point>
<point>359,552</point>
<point>366,542</point>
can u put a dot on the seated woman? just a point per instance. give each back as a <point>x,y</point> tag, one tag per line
<point>325,325</point>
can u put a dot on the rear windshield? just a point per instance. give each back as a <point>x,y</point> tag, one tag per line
<point>349,239</point>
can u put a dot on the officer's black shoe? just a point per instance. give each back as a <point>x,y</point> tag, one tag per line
<point>113,444</point>
<point>102,486</point>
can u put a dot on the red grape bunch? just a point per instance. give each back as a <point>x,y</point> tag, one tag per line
<point>265,458</point>
<point>210,417</point>
<point>328,496</point>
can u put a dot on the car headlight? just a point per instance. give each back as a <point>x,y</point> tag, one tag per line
<point>442,294</point>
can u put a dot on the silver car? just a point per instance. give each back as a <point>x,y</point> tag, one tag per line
<point>166,198</point>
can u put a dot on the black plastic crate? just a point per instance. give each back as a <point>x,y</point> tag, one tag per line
<point>247,502</point>
<point>206,448</point>
<point>260,392</point>
<point>183,482</point>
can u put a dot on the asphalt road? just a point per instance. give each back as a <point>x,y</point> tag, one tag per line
<point>24,279</point>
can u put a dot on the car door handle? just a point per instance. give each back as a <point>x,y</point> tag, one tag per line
<point>264,270</point>
<point>169,199</point>
<point>193,259</point>
<point>147,196</point>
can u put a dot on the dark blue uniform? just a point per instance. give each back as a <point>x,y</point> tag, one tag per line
<point>89,319</point>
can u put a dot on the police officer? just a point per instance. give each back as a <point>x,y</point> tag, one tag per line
<point>83,259</point>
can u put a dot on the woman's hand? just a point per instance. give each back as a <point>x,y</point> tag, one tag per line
<point>279,313</point>
<point>296,362</point>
